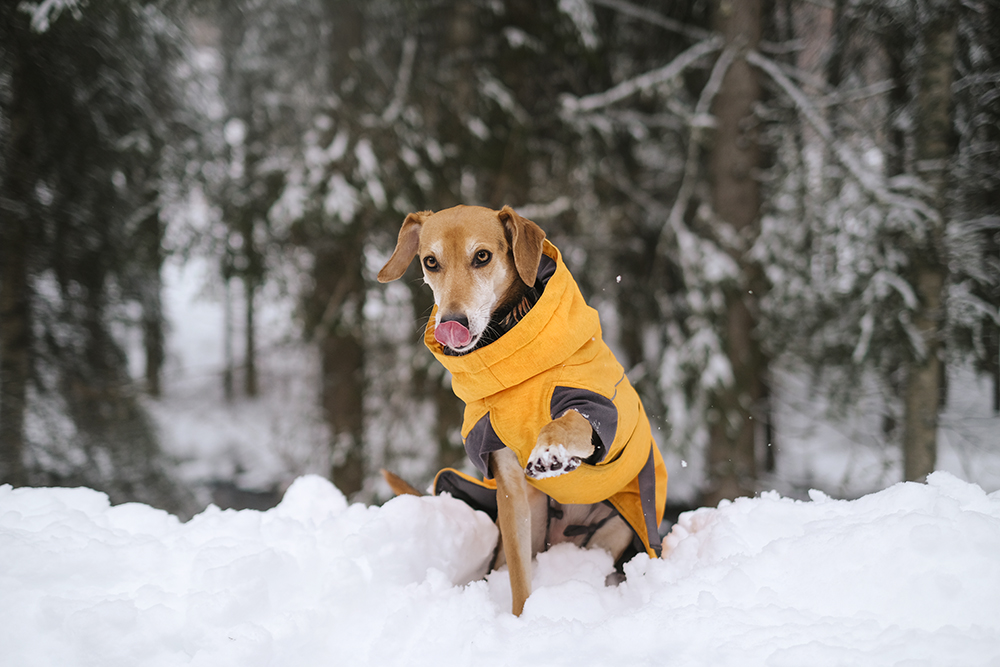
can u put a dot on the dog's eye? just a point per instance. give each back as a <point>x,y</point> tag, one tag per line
<point>482,257</point>
<point>431,263</point>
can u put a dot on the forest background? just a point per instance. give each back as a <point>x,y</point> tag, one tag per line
<point>767,201</point>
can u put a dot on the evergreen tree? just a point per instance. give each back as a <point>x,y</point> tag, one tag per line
<point>88,99</point>
<point>875,279</point>
<point>973,236</point>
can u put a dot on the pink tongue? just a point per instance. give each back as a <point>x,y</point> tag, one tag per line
<point>452,334</point>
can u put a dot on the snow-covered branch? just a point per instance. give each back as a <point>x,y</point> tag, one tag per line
<point>402,80</point>
<point>551,209</point>
<point>873,185</point>
<point>644,81</point>
<point>843,97</point>
<point>700,120</point>
<point>985,223</point>
<point>45,12</point>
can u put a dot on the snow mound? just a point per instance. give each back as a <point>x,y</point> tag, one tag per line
<point>907,575</point>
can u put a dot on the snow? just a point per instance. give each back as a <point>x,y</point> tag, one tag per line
<point>44,13</point>
<point>258,444</point>
<point>909,575</point>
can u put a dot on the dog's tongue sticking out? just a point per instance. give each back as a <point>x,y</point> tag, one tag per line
<point>452,334</point>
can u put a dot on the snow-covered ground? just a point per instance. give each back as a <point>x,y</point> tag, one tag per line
<point>906,576</point>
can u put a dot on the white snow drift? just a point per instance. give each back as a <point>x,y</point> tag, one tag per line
<point>907,575</point>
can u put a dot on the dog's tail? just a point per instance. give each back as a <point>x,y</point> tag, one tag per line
<point>399,485</point>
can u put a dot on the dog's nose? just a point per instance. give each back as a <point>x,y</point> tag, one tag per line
<point>455,317</point>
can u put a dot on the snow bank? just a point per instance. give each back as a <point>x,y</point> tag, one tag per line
<point>910,574</point>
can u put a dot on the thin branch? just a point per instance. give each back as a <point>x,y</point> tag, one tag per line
<point>779,48</point>
<point>546,211</point>
<point>985,223</point>
<point>807,78</point>
<point>644,81</point>
<point>402,80</point>
<point>975,80</point>
<point>700,120</point>
<point>848,160</point>
<point>662,120</point>
<point>843,97</point>
<point>655,18</point>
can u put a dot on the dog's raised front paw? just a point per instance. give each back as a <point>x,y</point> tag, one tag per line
<point>550,461</point>
<point>562,445</point>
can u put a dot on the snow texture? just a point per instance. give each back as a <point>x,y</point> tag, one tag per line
<point>909,575</point>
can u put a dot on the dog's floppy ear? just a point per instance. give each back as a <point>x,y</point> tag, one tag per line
<point>526,240</point>
<point>406,247</point>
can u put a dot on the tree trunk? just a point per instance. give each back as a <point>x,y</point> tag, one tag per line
<point>153,341</point>
<point>335,310</point>
<point>735,191</point>
<point>14,349</point>
<point>337,301</point>
<point>253,278</point>
<point>228,388</point>
<point>934,148</point>
<point>152,303</point>
<point>15,297</point>
<point>250,358</point>
<point>994,366</point>
<point>996,384</point>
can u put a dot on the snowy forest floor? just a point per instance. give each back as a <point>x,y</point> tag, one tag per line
<point>906,576</point>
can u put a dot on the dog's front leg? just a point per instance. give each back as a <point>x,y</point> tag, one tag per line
<point>562,445</point>
<point>514,520</point>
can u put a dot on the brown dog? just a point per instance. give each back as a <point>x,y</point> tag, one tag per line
<point>549,412</point>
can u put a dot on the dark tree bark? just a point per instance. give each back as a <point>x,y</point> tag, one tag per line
<point>337,303</point>
<point>151,300</point>
<point>228,373</point>
<point>930,270</point>
<point>995,373</point>
<point>250,352</point>
<point>337,300</point>
<point>734,160</point>
<point>15,331</point>
<point>14,348</point>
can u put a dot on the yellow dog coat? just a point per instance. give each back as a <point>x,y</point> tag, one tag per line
<point>552,361</point>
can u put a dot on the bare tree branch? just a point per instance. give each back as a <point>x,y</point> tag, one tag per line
<point>655,18</point>
<point>843,97</point>
<point>644,81</point>
<point>700,121</point>
<point>868,182</point>
<point>402,80</point>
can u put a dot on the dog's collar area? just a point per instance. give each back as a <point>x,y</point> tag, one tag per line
<point>518,312</point>
<point>502,322</point>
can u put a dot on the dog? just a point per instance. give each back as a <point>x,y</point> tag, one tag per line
<point>551,420</point>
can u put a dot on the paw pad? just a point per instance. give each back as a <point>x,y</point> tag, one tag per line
<point>551,462</point>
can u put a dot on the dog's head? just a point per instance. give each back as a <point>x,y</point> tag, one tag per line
<point>477,261</point>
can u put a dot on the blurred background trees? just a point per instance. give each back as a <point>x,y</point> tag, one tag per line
<point>92,136</point>
<point>743,189</point>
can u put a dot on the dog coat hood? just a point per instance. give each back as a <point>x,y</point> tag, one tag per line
<point>553,360</point>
